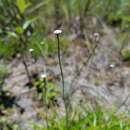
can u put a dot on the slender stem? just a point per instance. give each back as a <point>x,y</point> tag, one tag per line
<point>46,104</point>
<point>23,46</point>
<point>26,69</point>
<point>60,65</point>
<point>63,83</point>
<point>75,78</point>
<point>87,8</point>
<point>56,13</point>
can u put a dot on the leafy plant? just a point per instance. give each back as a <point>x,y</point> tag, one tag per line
<point>22,5</point>
<point>6,124</point>
<point>46,93</point>
<point>19,30</point>
<point>125,53</point>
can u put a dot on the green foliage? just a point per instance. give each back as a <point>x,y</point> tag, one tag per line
<point>22,5</point>
<point>45,46</point>
<point>118,13</point>
<point>16,21</point>
<point>6,124</point>
<point>3,73</point>
<point>7,50</point>
<point>90,120</point>
<point>16,28</point>
<point>125,53</point>
<point>26,24</point>
<point>46,92</point>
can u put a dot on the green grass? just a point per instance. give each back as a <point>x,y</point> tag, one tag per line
<point>82,120</point>
<point>90,120</point>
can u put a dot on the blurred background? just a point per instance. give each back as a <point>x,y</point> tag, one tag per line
<point>95,54</point>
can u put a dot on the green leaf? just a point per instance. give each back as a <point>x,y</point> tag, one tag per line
<point>28,22</point>
<point>95,121</point>
<point>22,5</point>
<point>12,34</point>
<point>19,30</point>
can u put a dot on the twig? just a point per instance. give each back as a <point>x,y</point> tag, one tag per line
<point>86,64</point>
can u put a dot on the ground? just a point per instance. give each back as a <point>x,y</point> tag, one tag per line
<point>105,80</point>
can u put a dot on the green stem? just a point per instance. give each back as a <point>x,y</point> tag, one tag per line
<point>46,104</point>
<point>63,83</point>
<point>23,46</point>
<point>60,65</point>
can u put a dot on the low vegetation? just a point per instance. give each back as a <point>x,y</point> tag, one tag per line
<point>26,35</point>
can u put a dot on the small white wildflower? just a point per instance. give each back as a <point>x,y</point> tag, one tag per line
<point>43,76</point>
<point>31,50</point>
<point>96,36</point>
<point>112,65</point>
<point>56,32</point>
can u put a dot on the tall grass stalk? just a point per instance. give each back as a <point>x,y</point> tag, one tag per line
<point>57,33</point>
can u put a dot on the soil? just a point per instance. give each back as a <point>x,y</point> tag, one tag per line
<point>105,80</point>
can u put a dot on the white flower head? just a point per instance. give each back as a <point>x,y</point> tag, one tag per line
<point>96,36</point>
<point>112,65</point>
<point>31,50</point>
<point>57,32</point>
<point>43,76</point>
